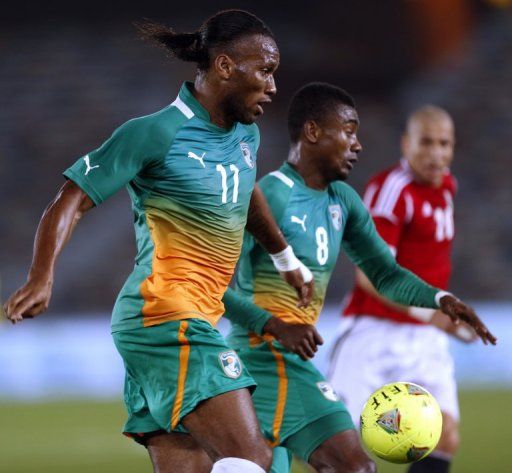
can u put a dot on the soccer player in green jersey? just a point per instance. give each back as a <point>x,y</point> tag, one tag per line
<point>318,214</point>
<point>190,172</point>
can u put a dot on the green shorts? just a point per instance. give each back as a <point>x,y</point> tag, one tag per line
<point>292,395</point>
<point>170,369</point>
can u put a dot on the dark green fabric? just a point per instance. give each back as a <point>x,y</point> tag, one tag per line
<point>242,311</point>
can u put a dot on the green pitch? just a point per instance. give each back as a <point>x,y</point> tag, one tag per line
<point>83,437</point>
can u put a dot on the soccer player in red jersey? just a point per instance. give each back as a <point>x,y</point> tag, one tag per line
<point>381,342</point>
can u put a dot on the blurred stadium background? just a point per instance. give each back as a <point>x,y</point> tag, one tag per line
<point>71,73</point>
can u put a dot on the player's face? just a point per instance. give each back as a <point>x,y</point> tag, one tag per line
<point>338,144</point>
<point>252,84</point>
<point>428,147</point>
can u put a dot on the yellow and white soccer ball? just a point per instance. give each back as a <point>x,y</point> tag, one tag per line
<point>401,422</point>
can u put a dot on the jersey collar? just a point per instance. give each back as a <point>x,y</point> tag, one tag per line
<point>191,102</point>
<point>187,97</point>
<point>290,172</point>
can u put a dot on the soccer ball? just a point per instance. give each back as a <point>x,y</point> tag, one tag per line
<point>401,422</point>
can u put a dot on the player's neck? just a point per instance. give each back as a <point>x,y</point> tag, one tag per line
<point>420,179</point>
<point>427,183</point>
<point>206,94</point>
<point>306,168</point>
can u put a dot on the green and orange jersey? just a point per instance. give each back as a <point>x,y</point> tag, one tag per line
<point>317,224</point>
<point>190,184</point>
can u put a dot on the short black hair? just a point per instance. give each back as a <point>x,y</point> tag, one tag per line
<point>314,101</point>
<point>220,30</point>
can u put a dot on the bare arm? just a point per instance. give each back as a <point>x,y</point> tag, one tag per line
<point>54,230</point>
<point>261,224</point>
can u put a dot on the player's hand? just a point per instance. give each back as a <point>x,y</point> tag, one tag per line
<point>458,311</point>
<point>302,339</point>
<point>29,300</point>
<point>462,331</point>
<point>302,281</point>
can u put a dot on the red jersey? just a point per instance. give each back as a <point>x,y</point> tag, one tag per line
<point>416,221</point>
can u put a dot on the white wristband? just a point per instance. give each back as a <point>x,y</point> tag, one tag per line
<point>285,260</point>
<point>440,295</point>
<point>421,313</point>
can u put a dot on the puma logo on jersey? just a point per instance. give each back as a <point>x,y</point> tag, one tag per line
<point>88,165</point>
<point>196,157</point>
<point>302,222</point>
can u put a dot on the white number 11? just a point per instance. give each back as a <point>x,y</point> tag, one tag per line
<point>224,178</point>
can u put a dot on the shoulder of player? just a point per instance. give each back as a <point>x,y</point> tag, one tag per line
<point>388,187</point>
<point>277,188</point>
<point>450,183</point>
<point>276,181</point>
<point>160,124</point>
<point>345,193</point>
<point>251,129</point>
<point>249,133</point>
<point>387,174</point>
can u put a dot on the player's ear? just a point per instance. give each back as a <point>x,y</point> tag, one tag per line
<point>224,66</point>
<point>311,131</point>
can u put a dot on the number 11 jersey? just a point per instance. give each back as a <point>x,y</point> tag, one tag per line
<point>190,184</point>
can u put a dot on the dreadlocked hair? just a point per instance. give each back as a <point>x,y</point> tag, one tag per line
<point>221,30</point>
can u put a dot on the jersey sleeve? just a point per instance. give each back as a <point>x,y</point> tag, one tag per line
<point>369,251</point>
<point>243,277</point>
<point>132,148</point>
<point>242,311</point>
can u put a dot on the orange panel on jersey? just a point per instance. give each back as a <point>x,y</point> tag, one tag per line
<point>192,267</point>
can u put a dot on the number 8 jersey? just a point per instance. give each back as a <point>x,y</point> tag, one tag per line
<point>416,221</point>
<point>190,184</point>
<point>316,223</point>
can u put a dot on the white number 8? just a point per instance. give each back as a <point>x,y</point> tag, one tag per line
<point>322,242</point>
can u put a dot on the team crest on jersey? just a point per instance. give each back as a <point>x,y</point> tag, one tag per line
<point>336,216</point>
<point>246,152</point>
<point>230,363</point>
<point>327,390</point>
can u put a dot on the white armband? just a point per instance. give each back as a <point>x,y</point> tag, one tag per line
<point>421,313</point>
<point>286,260</point>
